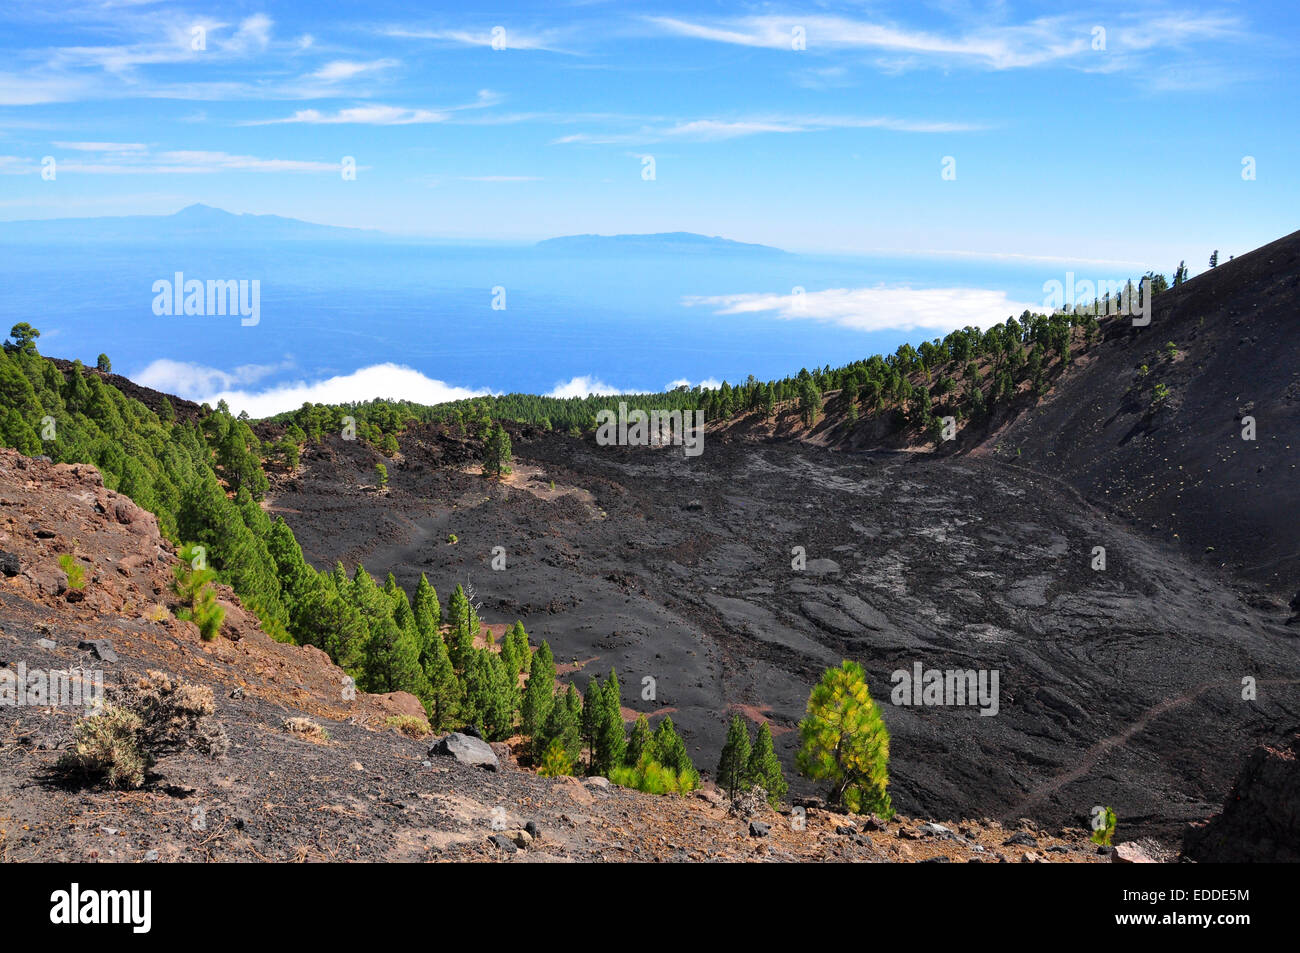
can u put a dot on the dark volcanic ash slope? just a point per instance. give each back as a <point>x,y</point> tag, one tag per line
<point>1118,687</point>
<point>1182,470</point>
<point>355,792</point>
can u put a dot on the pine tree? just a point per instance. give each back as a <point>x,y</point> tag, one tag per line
<point>488,698</point>
<point>392,661</point>
<point>564,724</point>
<point>555,761</point>
<point>733,765</point>
<point>764,768</point>
<point>669,749</point>
<point>611,739</point>
<point>639,743</point>
<point>539,692</point>
<point>845,741</point>
<point>444,688</point>
<point>461,641</point>
<point>514,649</point>
<point>591,720</point>
<point>496,452</point>
<point>428,613</point>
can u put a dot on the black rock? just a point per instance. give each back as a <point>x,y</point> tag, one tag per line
<point>102,649</point>
<point>532,828</point>
<point>504,843</point>
<point>9,564</point>
<point>465,749</point>
<point>941,859</point>
<point>759,829</point>
<point>1020,839</point>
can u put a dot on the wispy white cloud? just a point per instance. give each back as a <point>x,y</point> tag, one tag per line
<point>497,37</point>
<point>709,383</point>
<point>372,115</point>
<point>379,381</point>
<point>583,387</point>
<point>120,158</point>
<point>119,147</point>
<point>337,70</point>
<point>995,46</point>
<point>879,308</point>
<point>715,130</point>
<point>197,381</point>
<point>377,114</point>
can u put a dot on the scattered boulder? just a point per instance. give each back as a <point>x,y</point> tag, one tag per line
<point>10,565</point>
<point>1021,839</point>
<point>466,750</point>
<point>759,829</point>
<point>534,831</point>
<point>597,782</point>
<point>102,649</point>
<point>504,842</point>
<point>748,803</point>
<point>396,704</point>
<point>1130,853</point>
<point>47,643</point>
<point>50,580</point>
<point>711,795</point>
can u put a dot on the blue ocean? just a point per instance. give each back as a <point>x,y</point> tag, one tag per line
<point>634,320</point>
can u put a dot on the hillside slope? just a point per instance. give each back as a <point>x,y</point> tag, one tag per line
<point>362,792</point>
<point>1180,468</point>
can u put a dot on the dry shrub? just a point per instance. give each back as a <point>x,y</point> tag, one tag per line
<point>307,728</point>
<point>408,725</point>
<point>108,749</point>
<point>155,717</point>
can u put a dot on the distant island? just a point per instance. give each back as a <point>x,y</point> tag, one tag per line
<point>657,243</point>
<point>193,221</point>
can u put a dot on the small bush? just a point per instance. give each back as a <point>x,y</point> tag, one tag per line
<point>1104,828</point>
<point>307,728</point>
<point>452,539</point>
<point>555,762</point>
<point>157,716</point>
<point>408,725</point>
<point>653,778</point>
<point>107,749</point>
<point>76,575</point>
<point>198,599</point>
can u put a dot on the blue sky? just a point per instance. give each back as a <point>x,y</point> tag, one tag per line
<point>1131,152</point>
